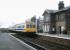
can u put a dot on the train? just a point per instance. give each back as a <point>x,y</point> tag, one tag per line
<point>27,29</point>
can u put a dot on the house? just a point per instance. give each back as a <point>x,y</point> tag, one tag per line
<point>40,24</point>
<point>62,17</point>
<point>49,21</point>
<point>57,20</point>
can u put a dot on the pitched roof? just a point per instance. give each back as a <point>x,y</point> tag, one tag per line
<point>55,11</point>
<point>49,11</point>
<point>65,8</point>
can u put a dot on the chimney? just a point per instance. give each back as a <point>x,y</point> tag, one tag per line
<point>61,5</point>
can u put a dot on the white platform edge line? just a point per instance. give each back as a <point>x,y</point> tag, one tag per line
<point>56,36</point>
<point>22,42</point>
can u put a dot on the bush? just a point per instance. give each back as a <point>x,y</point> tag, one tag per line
<point>41,31</point>
<point>65,32</point>
<point>53,32</point>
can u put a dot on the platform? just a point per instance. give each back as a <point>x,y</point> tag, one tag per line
<point>56,38</point>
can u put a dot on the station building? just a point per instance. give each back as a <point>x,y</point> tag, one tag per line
<point>57,20</point>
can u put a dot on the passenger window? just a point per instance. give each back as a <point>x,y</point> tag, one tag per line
<point>19,27</point>
<point>22,26</point>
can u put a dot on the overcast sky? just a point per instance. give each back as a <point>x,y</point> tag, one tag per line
<point>17,11</point>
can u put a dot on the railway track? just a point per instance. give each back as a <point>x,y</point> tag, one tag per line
<point>44,43</point>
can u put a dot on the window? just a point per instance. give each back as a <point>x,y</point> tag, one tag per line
<point>47,28</point>
<point>62,28</point>
<point>60,17</point>
<point>33,26</point>
<point>22,26</point>
<point>57,17</point>
<point>18,26</point>
<point>30,26</point>
<point>47,18</point>
<point>27,25</point>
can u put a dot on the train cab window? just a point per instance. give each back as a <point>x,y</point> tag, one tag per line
<point>28,26</point>
<point>33,26</point>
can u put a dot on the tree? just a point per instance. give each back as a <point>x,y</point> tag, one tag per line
<point>33,19</point>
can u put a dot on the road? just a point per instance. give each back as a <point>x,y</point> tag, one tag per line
<point>9,43</point>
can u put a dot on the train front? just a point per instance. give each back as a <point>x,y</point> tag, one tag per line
<point>31,29</point>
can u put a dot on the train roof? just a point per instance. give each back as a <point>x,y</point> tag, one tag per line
<point>30,23</point>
